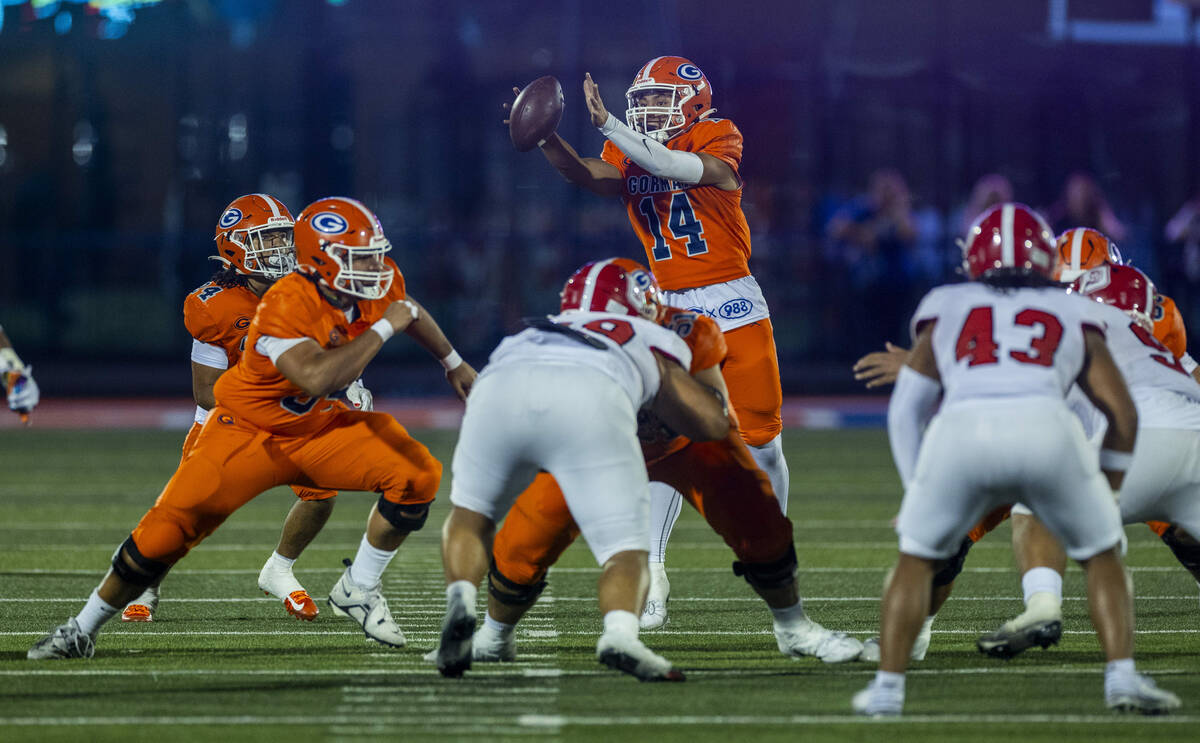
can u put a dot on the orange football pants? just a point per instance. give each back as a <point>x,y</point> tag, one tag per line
<point>231,462</point>
<point>751,371</point>
<point>719,479</point>
<point>302,493</point>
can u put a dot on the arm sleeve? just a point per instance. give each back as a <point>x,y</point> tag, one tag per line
<point>677,165</point>
<point>914,400</point>
<point>207,354</point>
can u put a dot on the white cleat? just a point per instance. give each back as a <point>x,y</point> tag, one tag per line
<point>65,641</point>
<point>870,651</point>
<point>654,615</point>
<point>874,701</point>
<point>454,652</point>
<point>806,638</point>
<point>489,646</point>
<point>627,654</point>
<point>1137,693</point>
<point>368,608</point>
<point>282,584</point>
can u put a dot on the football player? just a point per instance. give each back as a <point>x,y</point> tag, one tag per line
<point>280,419</point>
<point>563,397</point>
<point>20,389</point>
<point>255,248</point>
<point>674,164</point>
<point>718,478</point>
<point>1001,352</point>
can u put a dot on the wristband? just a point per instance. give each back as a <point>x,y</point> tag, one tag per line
<point>1117,461</point>
<point>384,329</point>
<point>451,361</point>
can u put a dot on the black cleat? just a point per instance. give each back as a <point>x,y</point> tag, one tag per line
<point>1009,642</point>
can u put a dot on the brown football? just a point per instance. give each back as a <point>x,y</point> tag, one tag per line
<point>535,113</point>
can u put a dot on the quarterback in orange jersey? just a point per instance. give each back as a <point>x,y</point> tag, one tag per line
<point>280,419</point>
<point>675,166</point>
<point>719,479</point>
<point>254,247</point>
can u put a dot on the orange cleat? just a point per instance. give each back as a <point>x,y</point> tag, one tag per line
<point>137,613</point>
<point>300,605</point>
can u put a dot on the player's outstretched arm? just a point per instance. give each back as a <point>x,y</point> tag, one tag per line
<point>321,371</point>
<point>688,407</point>
<point>1103,384</point>
<point>426,332</point>
<point>592,173</point>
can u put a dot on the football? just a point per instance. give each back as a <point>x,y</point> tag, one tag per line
<point>535,113</point>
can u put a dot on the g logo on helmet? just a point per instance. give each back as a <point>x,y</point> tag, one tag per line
<point>329,223</point>
<point>230,218</point>
<point>689,71</point>
<point>641,279</point>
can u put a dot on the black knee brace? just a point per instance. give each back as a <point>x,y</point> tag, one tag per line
<point>511,593</point>
<point>948,569</point>
<point>147,571</point>
<point>769,575</point>
<point>405,517</point>
<point>1185,548</point>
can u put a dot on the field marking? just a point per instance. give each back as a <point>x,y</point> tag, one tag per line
<point>510,669</point>
<point>409,595</point>
<point>434,633</point>
<point>558,721</point>
<point>672,569</point>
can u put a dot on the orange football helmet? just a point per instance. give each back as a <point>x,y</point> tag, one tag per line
<point>1081,249</point>
<point>254,237</point>
<point>341,241</point>
<point>618,285</point>
<point>690,98</point>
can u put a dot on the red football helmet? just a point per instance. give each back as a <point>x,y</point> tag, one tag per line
<point>617,285</point>
<point>1009,235</point>
<point>254,237</point>
<point>1124,287</point>
<point>342,242</point>
<point>668,95</point>
<point>1081,249</point>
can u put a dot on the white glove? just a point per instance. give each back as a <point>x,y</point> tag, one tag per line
<point>360,397</point>
<point>23,393</point>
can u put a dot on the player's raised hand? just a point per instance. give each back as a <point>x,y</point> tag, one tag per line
<point>461,378</point>
<point>880,367</point>
<point>23,393</point>
<point>508,106</point>
<point>400,314</point>
<point>591,95</point>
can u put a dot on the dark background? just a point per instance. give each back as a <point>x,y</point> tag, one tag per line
<point>124,131</point>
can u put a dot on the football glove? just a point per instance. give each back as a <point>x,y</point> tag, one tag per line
<point>22,391</point>
<point>360,397</point>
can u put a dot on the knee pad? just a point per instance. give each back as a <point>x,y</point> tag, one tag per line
<point>769,575</point>
<point>1184,546</point>
<point>511,593</point>
<point>405,517</point>
<point>143,571</point>
<point>948,569</point>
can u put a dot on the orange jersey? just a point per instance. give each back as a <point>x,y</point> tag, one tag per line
<point>707,343</point>
<point>220,316</point>
<point>1168,325</point>
<point>693,235</point>
<point>294,308</point>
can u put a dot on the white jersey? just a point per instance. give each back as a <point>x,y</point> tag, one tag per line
<point>995,343</point>
<point>624,355</point>
<point>1166,396</point>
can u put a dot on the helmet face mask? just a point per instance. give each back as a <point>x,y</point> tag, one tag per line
<point>362,270</point>
<point>668,95</point>
<point>255,237</point>
<point>618,285</point>
<point>1123,287</point>
<point>341,242</point>
<point>270,251</point>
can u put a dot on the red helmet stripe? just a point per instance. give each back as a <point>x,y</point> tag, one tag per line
<point>1007,246</point>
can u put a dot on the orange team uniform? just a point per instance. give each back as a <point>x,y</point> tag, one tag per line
<point>1169,330</point>
<point>220,316</point>
<point>266,432</point>
<point>719,478</point>
<point>697,236</point>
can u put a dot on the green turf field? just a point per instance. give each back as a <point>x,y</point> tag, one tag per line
<point>221,661</point>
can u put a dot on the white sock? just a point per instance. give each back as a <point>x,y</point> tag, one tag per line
<point>621,623</point>
<point>1118,673</point>
<point>1042,580</point>
<point>665,506</point>
<point>464,590</point>
<point>500,628</point>
<point>927,625</point>
<point>890,681</point>
<point>279,562</point>
<point>95,613</point>
<point>769,458</point>
<point>790,614</point>
<point>369,564</point>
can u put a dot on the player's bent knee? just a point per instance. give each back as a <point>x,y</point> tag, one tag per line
<point>510,592</point>
<point>769,575</point>
<point>947,570</point>
<point>131,566</point>
<point>405,517</point>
